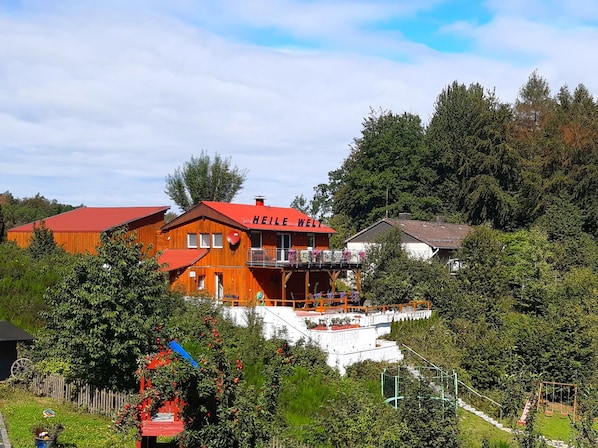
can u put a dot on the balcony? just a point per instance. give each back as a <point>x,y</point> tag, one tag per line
<point>305,258</point>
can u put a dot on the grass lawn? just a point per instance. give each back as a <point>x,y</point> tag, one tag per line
<point>554,427</point>
<point>474,430</point>
<point>21,410</point>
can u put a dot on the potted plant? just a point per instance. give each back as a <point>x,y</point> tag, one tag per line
<point>45,432</point>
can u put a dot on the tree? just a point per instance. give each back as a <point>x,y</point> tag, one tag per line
<point>42,241</point>
<point>204,179</point>
<point>101,317</point>
<point>428,421</point>
<point>386,171</point>
<point>476,165</point>
<point>2,226</point>
<point>394,277</point>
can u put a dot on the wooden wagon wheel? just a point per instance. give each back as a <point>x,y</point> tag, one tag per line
<point>22,368</point>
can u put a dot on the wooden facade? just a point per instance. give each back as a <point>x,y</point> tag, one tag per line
<point>78,231</point>
<point>254,254</point>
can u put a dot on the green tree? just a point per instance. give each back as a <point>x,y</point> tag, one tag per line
<point>476,166</point>
<point>386,172</point>
<point>42,241</point>
<point>101,317</point>
<point>2,226</point>
<point>428,422</point>
<point>22,211</point>
<point>204,179</point>
<point>395,277</point>
<point>527,258</point>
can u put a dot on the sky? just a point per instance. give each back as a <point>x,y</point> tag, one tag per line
<point>101,100</point>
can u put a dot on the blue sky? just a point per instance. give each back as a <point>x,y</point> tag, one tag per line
<point>100,101</point>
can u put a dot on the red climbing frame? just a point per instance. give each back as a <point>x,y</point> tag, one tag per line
<point>166,422</point>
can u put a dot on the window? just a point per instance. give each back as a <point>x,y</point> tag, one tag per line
<point>192,240</point>
<point>217,240</point>
<point>256,240</point>
<point>201,282</point>
<point>311,240</point>
<point>204,240</point>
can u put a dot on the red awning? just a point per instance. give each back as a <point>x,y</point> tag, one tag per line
<point>180,258</point>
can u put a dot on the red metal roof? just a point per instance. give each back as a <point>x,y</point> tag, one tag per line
<point>180,258</point>
<point>265,217</point>
<point>93,219</point>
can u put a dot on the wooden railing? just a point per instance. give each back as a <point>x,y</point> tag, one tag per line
<point>347,302</point>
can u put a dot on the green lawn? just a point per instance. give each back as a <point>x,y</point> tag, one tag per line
<point>555,427</point>
<point>474,430</point>
<point>21,410</point>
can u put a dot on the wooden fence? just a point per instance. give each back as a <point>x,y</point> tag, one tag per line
<point>84,396</point>
<point>94,400</point>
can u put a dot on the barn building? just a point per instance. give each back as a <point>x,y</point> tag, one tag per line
<point>78,231</point>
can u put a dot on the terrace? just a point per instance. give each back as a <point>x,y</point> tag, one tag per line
<point>305,258</point>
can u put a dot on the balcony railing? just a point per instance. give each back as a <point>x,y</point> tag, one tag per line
<point>304,258</point>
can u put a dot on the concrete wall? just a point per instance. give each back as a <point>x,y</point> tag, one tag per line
<point>343,347</point>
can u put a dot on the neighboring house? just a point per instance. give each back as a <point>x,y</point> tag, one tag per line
<point>252,253</point>
<point>420,239</point>
<point>78,231</point>
<point>10,335</point>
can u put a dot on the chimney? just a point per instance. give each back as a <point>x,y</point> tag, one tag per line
<point>259,200</point>
<point>405,216</point>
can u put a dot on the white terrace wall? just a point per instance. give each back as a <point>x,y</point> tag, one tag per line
<point>343,347</point>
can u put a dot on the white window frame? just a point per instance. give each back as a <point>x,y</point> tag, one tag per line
<point>204,240</point>
<point>215,237</point>
<point>201,282</point>
<point>190,243</point>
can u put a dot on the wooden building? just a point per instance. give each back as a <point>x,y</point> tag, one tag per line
<point>78,231</point>
<point>251,254</point>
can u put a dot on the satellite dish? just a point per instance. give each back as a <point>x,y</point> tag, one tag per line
<point>233,237</point>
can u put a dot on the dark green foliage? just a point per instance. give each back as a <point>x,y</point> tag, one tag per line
<point>23,282</point>
<point>204,179</point>
<point>2,226</point>
<point>102,315</point>
<point>387,171</point>
<point>585,433</point>
<point>475,164</point>
<point>22,211</point>
<point>394,277</point>
<point>42,242</point>
<point>428,421</point>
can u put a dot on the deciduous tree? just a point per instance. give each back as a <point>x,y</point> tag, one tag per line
<point>204,179</point>
<point>101,317</point>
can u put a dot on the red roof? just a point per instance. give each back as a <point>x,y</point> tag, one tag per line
<point>93,219</point>
<point>180,258</point>
<point>254,217</point>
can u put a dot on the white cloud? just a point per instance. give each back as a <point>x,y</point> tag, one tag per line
<point>99,104</point>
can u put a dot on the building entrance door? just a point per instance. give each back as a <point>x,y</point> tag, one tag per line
<point>282,246</point>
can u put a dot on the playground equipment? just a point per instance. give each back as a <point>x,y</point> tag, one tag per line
<point>558,398</point>
<point>167,421</point>
<point>396,381</point>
